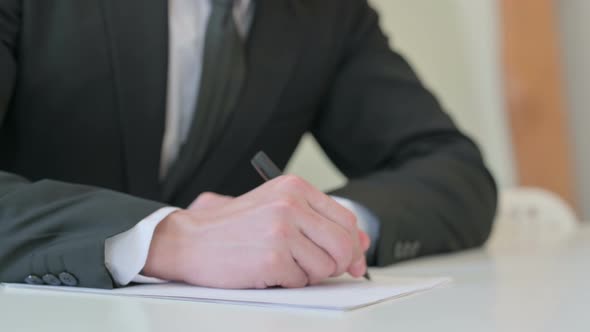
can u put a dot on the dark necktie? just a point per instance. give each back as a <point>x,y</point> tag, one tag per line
<point>223,74</point>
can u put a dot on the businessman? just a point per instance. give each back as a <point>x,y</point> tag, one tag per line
<point>126,129</point>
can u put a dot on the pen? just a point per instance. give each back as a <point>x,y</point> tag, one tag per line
<point>268,170</point>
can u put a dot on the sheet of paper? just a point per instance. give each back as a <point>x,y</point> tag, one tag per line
<point>336,294</point>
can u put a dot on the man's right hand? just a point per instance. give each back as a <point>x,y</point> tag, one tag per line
<point>284,233</point>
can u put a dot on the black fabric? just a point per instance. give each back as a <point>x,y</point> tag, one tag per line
<point>82,111</point>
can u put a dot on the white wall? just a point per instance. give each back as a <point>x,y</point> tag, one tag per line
<point>454,48</point>
<point>575,28</point>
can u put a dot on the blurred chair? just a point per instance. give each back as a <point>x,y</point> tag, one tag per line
<point>529,219</point>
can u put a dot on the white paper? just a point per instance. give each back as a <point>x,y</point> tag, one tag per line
<point>336,294</point>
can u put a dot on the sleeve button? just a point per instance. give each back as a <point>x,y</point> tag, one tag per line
<point>51,280</point>
<point>33,280</point>
<point>68,279</point>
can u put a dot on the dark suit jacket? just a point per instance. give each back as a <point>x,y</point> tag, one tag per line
<point>82,109</point>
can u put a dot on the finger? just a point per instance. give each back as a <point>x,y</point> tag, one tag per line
<point>359,268</point>
<point>320,202</point>
<point>323,205</point>
<point>328,236</point>
<point>317,263</point>
<point>292,275</point>
<point>333,211</point>
<point>365,241</point>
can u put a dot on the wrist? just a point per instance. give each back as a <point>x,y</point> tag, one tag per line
<point>164,257</point>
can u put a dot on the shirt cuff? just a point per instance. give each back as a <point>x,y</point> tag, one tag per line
<point>126,253</point>
<point>367,221</point>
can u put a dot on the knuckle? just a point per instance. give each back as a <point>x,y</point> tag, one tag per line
<point>282,208</point>
<point>292,182</point>
<point>325,271</point>
<point>285,204</point>
<point>280,229</point>
<point>330,268</point>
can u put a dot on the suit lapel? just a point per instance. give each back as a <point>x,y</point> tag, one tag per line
<point>138,32</point>
<point>272,51</point>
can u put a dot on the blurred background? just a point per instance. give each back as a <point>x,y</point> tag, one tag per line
<point>513,74</point>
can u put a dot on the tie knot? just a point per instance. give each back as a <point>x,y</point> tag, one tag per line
<point>225,4</point>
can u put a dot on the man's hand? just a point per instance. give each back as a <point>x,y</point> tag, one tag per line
<point>284,233</point>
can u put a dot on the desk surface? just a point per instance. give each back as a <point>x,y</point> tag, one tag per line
<point>547,290</point>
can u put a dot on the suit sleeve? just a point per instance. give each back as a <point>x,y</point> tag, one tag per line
<point>405,159</point>
<point>49,227</point>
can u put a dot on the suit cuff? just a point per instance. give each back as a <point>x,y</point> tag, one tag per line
<point>126,253</point>
<point>367,222</point>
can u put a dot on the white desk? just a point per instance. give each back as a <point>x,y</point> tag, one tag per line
<point>542,291</point>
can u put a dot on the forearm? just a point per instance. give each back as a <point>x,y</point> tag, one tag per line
<point>52,227</point>
<point>406,160</point>
<point>441,201</point>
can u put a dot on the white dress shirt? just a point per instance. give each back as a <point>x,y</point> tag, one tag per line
<point>126,253</point>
